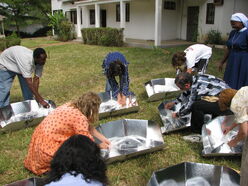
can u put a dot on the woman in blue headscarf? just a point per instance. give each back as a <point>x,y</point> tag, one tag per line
<point>236,73</point>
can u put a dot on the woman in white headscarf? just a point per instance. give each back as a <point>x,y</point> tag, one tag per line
<point>236,73</point>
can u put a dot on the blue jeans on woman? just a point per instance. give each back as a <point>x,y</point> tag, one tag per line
<point>6,80</point>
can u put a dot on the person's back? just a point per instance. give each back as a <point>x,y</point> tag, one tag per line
<point>17,59</point>
<point>78,180</point>
<point>194,59</point>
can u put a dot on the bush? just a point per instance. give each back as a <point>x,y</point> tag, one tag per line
<point>103,36</point>
<point>62,27</point>
<point>9,41</point>
<point>214,37</point>
<point>66,31</point>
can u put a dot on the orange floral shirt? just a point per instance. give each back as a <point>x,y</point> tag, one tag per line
<point>58,126</point>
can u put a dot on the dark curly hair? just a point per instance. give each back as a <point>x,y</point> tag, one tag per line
<point>178,59</point>
<point>78,154</point>
<point>116,68</point>
<point>38,51</point>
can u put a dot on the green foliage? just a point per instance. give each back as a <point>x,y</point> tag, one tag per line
<point>103,36</point>
<point>214,37</point>
<point>24,12</point>
<point>62,27</point>
<point>55,20</point>
<point>9,41</point>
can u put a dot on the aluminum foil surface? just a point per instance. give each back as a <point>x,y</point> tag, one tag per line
<point>156,89</point>
<point>215,142</point>
<point>194,174</point>
<point>170,123</point>
<point>130,137</point>
<point>110,106</point>
<point>23,114</point>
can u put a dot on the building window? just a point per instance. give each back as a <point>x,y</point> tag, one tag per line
<point>210,13</point>
<point>71,16</point>
<point>127,12</point>
<point>92,17</point>
<point>118,12</point>
<point>81,16</point>
<point>170,5</point>
<point>57,11</point>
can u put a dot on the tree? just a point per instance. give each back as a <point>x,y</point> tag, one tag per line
<point>24,12</point>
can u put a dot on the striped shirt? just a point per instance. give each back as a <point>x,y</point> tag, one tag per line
<point>203,85</point>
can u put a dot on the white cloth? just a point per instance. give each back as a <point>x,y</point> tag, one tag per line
<point>239,105</point>
<point>19,59</point>
<point>68,179</point>
<point>240,17</point>
<point>196,52</point>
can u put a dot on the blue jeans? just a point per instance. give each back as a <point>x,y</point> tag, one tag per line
<point>6,80</point>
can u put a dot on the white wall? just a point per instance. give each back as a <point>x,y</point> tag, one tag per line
<point>141,25</point>
<point>222,17</point>
<point>58,5</point>
<point>174,22</point>
<point>170,19</point>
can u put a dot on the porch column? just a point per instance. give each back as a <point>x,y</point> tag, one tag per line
<point>97,15</point>
<point>122,14</point>
<point>85,17</point>
<point>158,22</point>
<point>79,34</point>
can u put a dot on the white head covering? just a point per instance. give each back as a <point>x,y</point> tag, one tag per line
<point>240,17</point>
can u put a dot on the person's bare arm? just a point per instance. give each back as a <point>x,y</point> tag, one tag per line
<point>105,142</point>
<point>242,134</point>
<point>189,70</point>
<point>34,89</point>
<point>36,83</point>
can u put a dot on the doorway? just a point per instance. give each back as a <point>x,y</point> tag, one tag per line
<point>103,18</point>
<point>192,23</point>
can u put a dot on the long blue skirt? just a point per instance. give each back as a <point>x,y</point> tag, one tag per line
<point>236,73</point>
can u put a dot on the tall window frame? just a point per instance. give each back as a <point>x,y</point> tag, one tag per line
<point>118,12</point>
<point>210,13</point>
<point>92,16</point>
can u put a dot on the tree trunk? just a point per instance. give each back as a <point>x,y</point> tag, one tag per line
<point>17,28</point>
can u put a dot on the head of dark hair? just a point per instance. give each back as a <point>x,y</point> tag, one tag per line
<point>183,78</point>
<point>37,52</point>
<point>178,59</point>
<point>116,68</point>
<point>78,154</point>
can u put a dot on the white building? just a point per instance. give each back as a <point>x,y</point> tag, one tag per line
<point>158,20</point>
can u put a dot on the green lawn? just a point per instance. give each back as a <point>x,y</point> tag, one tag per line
<point>73,69</point>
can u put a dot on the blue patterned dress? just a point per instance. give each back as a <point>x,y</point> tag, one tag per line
<point>236,73</point>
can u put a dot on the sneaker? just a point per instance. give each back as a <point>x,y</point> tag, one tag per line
<point>194,138</point>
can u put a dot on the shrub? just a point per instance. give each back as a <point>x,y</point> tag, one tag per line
<point>214,37</point>
<point>62,27</point>
<point>66,31</point>
<point>103,36</point>
<point>9,41</point>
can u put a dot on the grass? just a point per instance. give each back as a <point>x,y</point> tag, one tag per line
<point>73,69</point>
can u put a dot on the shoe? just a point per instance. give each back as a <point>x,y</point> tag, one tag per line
<point>194,138</point>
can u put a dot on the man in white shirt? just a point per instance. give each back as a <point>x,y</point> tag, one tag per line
<point>23,62</point>
<point>194,59</point>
